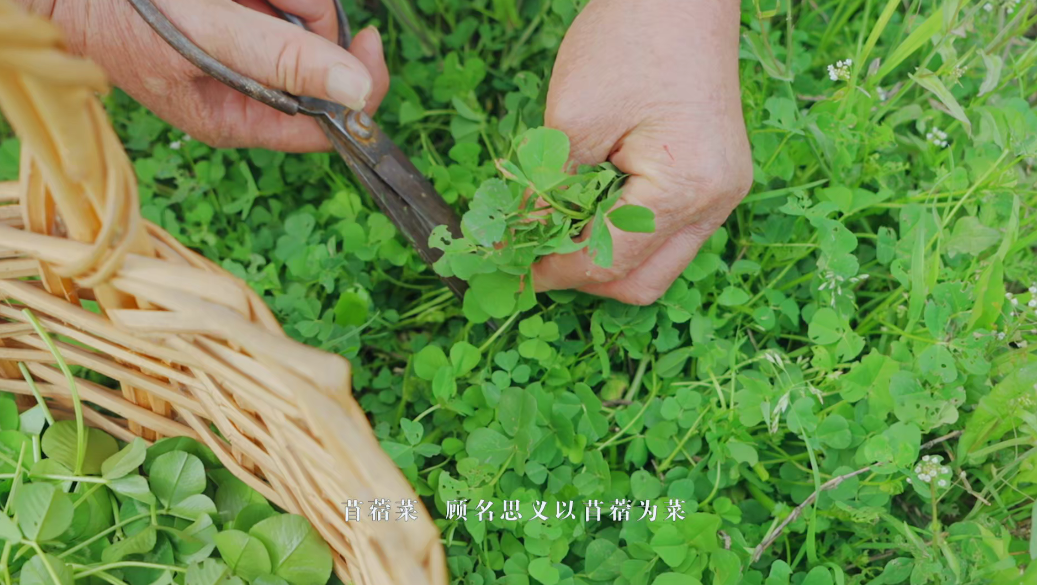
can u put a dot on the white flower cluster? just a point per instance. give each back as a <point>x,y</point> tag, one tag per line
<point>841,70</point>
<point>176,144</point>
<point>957,73</point>
<point>937,137</point>
<point>1024,402</point>
<point>932,471</point>
<point>1014,301</point>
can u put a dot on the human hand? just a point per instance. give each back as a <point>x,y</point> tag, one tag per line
<point>652,87</point>
<point>247,37</point>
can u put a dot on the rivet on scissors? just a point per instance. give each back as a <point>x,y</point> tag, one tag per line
<point>359,124</point>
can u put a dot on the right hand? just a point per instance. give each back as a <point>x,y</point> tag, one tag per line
<point>247,37</point>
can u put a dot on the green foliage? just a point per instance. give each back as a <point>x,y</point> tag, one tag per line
<point>841,329</point>
<point>161,526</point>
<point>540,210</point>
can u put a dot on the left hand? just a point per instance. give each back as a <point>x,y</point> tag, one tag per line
<point>652,87</point>
<point>246,36</point>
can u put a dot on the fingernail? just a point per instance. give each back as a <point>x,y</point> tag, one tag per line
<point>348,87</point>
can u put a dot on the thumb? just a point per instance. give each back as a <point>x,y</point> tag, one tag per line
<point>275,52</point>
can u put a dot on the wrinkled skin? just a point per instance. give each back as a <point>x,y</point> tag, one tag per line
<point>652,86</point>
<point>245,36</point>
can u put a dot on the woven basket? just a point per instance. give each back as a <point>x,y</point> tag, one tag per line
<point>191,346</point>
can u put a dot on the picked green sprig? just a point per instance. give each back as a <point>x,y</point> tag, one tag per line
<point>536,210</point>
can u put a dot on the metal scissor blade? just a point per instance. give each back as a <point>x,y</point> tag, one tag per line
<point>416,221</point>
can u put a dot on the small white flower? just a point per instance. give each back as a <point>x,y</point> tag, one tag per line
<point>1032,304</point>
<point>175,145</point>
<point>187,138</point>
<point>909,480</point>
<point>918,469</point>
<point>945,471</point>
<point>840,71</point>
<point>1000,335</point>
<point>1009,295</point>
<point>942,483</point>
<point>1015,302</point>
<point>1033,289</point>
<point>924,477</point>
<point>937,137</point>
<point>926,458</point>
<point>988,7</point>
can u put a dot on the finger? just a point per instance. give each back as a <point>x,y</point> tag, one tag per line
<point>367,47</point>
<point>649,281</point>
<point>275,52</point>
<point>318,15</point>
<point>629,250</point>
<point>247,123</point>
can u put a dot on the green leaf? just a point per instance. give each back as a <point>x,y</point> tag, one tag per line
<point>126,460</point>
<point>771,66</point>
<point>834,431</point>
<point>1033,534</point>
<point>517,410</point>
<point>543,154</point>
<point>8,529</point>
<point>133,486</point>
<point>140,543</point>
<point>489,447</point>
<point>192,507</point>
<point>351,309</point>
<point>464,357</point>
<point>495,293</point>
<point>60,442</point>
<point>801,416</point>
<point>644,485</point>
<point>733,296</point>
<point>298,554</point>
<point>990,296</point>
<point>177,475</point>
<point>929,81</point>
<point>818,576</point>
<point>670,545</point>
<point>43,511</point>
<point>826,327</point>
<point>38,571</point>
<point>233,496</point>
<point>914,41</point>
<point>743,452</point>
<point>603,560</point>
<point>207,572</point>
<point>672,364</point>
<point>543,571</point>
<point>675,579</point>
<point>9,417</point>
<point>600,242</point>
<point>252,514</point>
<point>992,77</point>
<point>633,218</point>
<point>244,554</point>
<point>269,580</point>
<point>428,361</point>
<point>971,237</point>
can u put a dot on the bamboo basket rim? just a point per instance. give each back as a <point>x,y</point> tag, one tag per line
<point>192,347</point>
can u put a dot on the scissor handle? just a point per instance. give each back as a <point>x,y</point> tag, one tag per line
<point>278,100</point>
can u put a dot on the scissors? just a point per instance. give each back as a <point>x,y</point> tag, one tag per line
<point>402,193</point>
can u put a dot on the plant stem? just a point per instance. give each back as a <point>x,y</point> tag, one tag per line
<point>76,402</point>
